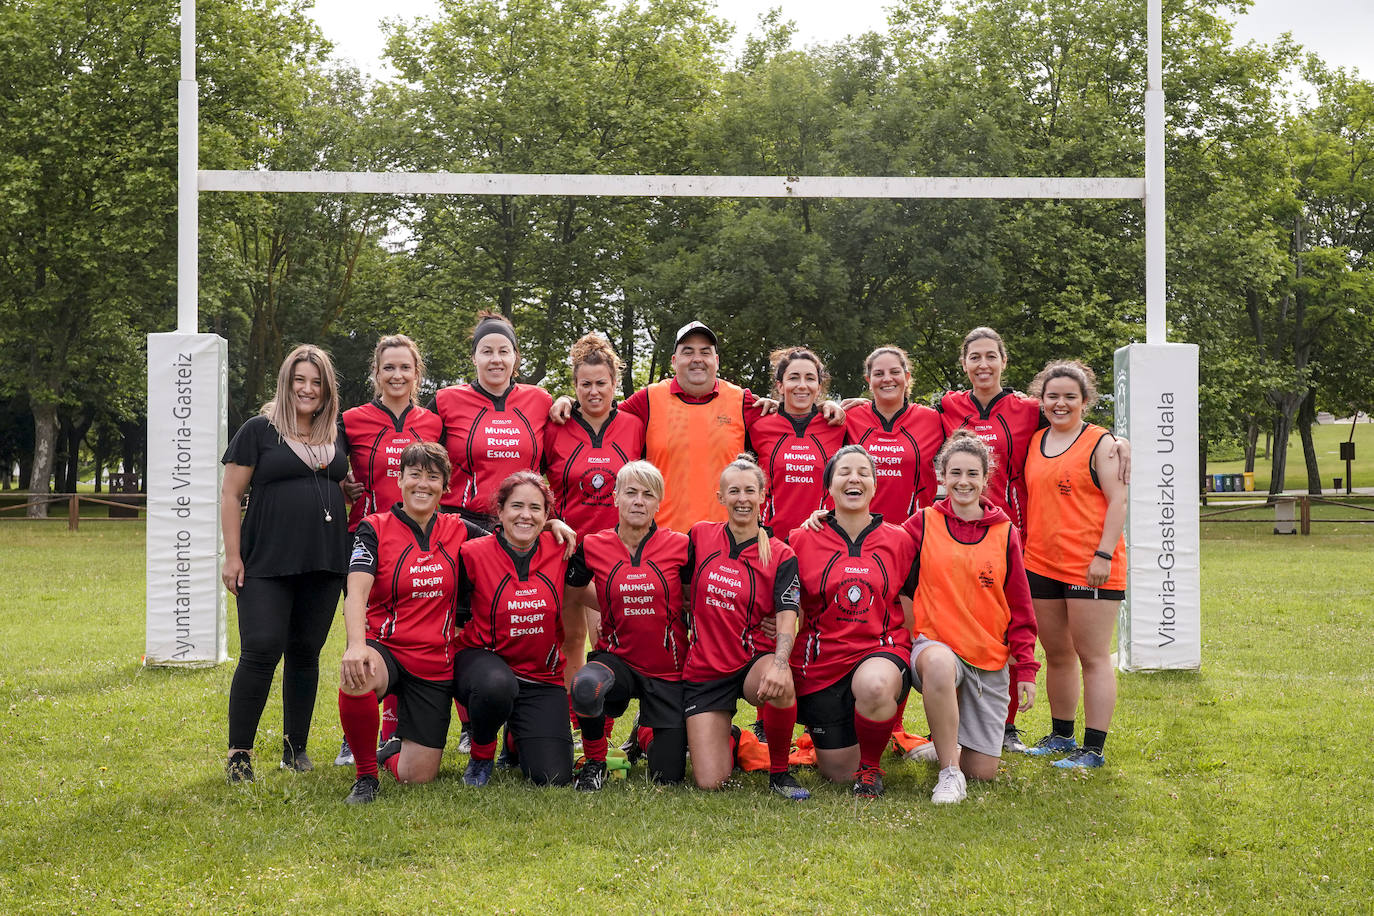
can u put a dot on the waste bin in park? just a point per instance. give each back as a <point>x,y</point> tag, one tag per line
<point>1249,481</point>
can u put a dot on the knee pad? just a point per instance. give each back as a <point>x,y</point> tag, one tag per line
<point>589,689</point>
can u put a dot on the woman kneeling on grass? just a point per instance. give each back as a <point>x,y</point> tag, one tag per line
<point>741,576</point>
<point>850,661</point>
<point>518,651</point>
<point>1075,558</point>
<point>634,574</point>
<point>972,613</point>
<point>399,617</point>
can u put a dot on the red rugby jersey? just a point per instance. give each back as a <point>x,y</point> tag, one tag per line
<point>1006,424</point>
<point>376,437</point>
<point>640,594</point>
<point>411,607</point>
<point>489,438</point>
<point>903,453</point>
<point>793,452</point>
<point>517,604</point>
<point>849,599</point>
<point>731,593</point>
<point>582,464</point>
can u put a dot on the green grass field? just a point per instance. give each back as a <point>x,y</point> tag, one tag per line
<point>1326,439</point>
<point>1244,788</point>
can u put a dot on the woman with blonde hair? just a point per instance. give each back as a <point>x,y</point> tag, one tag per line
<point>285,560</point>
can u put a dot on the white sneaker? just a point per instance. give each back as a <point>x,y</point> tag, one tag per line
<point>950,788</point>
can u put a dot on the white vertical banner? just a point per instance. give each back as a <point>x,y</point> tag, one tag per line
<point>187,397</point>
<point>1157,409</point>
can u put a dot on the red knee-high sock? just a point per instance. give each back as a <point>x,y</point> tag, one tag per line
<point>462,712</point>
<point>873,737</point>
<point>484,751</point>
<point>777,726</point>
<point>594,732</point>
<point>360,719</point>
<point>388,719</point>
<point>645,736</point>
<point>900,717</point>
<point>572,716</point>
<point>1014,705</point>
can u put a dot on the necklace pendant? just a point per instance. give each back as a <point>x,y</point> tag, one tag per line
<point>327,516</point>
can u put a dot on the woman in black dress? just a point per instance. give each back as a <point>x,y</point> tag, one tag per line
<point>286,558</point>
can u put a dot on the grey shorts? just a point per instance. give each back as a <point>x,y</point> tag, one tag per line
<point>983,698</point>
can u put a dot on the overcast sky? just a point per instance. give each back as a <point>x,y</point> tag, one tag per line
<point>1341,31</point>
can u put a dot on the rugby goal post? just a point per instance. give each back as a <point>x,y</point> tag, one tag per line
<point>187,395</point>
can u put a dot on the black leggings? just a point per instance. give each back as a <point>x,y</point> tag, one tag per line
<point>281,615</point>
<point>612,682</point>
<point>535,714</point>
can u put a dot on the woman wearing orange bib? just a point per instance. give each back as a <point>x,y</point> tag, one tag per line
<point>972,615</point>
<point>1075,559</point>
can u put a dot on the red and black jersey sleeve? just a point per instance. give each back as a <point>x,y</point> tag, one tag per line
<point>1006,424</point>
<point>793,452</point>
<point>582,463</point>
<point>641,597</point>
<point>732,591</point>
<point>517,604</point>
<point>489,438</point>
<point>376,437</point>
<point>903,450</point>
<point>850,607</point>
<point>412,605</point>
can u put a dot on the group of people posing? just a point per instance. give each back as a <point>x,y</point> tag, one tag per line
<point>497,533</point>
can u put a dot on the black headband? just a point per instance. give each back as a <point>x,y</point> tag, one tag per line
<point>493,326</point>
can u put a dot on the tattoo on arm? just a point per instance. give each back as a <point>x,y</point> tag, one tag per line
<point>783,653</point>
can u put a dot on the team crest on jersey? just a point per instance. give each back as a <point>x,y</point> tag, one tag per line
<point>1065,485</point>
<point>596,486</point>
<point>985,577</point>
<point>792,594</point>
<point>853,597</point>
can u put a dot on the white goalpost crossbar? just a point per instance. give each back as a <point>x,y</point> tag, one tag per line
<point>167,546</point>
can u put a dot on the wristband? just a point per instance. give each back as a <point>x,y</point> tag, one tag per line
<point>1103,554</point>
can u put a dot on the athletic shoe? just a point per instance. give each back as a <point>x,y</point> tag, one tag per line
<point>786,785</point>
<point>868,782</point>
<point>364,791</point>
<point>345,758</point>
<point>592,777</point>
<point>1081,759</point>
<point>924,752</point>
<point>950,788</point>
<point>296,761</point>
<point>1011,741</point>
<point>465,741</point>
<point>631,746</point>
<point>390,748</point>
<point>509,758</point>
<point>478,772</point>
<point>759,731</point>
<point>1053,744</point>
<point>239,768</point>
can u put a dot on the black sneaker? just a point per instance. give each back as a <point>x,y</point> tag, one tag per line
<point>786,785</point>
<point>239,767</point>
<point>633,751</point>
<point>759,731</point>
<point>388,749</point>
<point>294,760</point>
<point>592,777</point>
<point>364,792</point>
<point>509,758</point>
<point>868,782</point>
<point>465,740</point>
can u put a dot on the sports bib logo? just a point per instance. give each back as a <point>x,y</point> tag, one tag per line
<point>985,577</point>
<point>1065,485</point>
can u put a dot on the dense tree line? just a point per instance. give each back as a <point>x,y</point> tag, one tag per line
<point>1269,197</point>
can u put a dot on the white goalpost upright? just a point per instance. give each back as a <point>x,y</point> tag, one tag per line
<point>1155,382</point>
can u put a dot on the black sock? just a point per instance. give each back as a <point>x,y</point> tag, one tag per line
<point>1062,728</point>
<point>1093,739</point>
